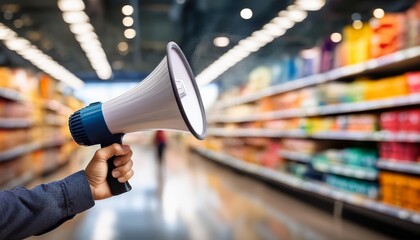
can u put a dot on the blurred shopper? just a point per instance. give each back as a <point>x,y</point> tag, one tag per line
<point>33,212</point>
<point>160,142</point>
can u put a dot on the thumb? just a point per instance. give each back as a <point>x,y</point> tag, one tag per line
<point>115,149</point>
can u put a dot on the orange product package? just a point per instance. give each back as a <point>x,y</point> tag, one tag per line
<point>388,34</point>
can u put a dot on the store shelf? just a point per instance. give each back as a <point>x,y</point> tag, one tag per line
<point>58,107</point>
<point>295,156</point>
<point>405,167</point>
<point>322,110</point>
<point>29,147</point>
<point>11,95</point>
<point>389,62</point>
<point>312,187</point>
<point>380,136</point>
<point>15,123</point>
<point>19,181</point>
<point>347,171</point>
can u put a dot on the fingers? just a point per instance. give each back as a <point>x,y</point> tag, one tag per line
<point>115,149</point>
<point>124,172</point>
<point>126,177</point>
<point>121,160</point>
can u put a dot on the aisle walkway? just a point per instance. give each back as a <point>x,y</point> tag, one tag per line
<point>201,200</point>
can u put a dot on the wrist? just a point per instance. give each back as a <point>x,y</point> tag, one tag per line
<point>92,190</point>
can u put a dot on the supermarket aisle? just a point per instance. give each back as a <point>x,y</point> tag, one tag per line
<point>202,200</point>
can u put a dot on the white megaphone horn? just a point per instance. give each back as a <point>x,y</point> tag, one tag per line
<point>166,99</point>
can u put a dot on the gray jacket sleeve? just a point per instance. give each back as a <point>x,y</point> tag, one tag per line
<point>24,212</point>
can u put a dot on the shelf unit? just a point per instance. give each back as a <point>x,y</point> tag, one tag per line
<point>295,156</point>
<point>312,187</point>
<point>15,123</point>
<point>410,100</point>
<point>23,149</point>
<point>380,136</point>
<point>399,166</point>
<point>42,128</point>
<point>392,61</point>
<point>12,95</point>
<point>228,126</point>
<point>347,171</point>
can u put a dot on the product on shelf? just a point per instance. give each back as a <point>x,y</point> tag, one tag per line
<point>400,190</point>
<point>310,61</point>
<point>413,23</point>
<point>388,34</point>
<point>11,138</point>
<point>358,157</point>
<point>304,146</point>
<point>407,121</point>
<point>369,189</point>
<point>398,151</point>
<point>10,109</point>
<point>298,170</point>
<point>413,80</point>
<point>357,42</point>
<point>259,78</point>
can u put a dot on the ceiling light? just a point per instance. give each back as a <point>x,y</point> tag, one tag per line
<point>6,33</point>
<point>122,46</point>
<point>357,24</point>
<point>8,15</point>
<point>274,29</point>
<point>221,41</point>
<point>130,33</point>
<point>75,17</point>
<point>127,10</point>
<point>336,37</point>
<point>89,46</point>
<point>17,44</point>
<point>250,45</point>
<point>310,5</point>
<point>180,1</point>
<point>128,21</point>
<point>81,28</point>
<point>263,36</point>
<point>87,37</point>
<point>296,15</point>
<point>44,62</point>
<point>283,22</point>
<point>246,13</point>
<point>379,13</point>
<point>71,5</point>
<point>18,23</point>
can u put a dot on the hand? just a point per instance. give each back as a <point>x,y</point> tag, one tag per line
<point>97,169</point>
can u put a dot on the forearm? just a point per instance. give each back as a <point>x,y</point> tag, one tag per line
<point>31,212</point>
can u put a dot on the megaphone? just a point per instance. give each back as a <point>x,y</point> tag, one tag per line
<point>167,99</point>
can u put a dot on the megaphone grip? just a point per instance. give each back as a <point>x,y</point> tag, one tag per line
<point>116,187</point>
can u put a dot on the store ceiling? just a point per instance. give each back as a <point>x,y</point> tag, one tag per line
<point>193,25</point>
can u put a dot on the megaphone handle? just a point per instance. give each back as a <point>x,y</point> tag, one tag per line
<point>116,187</point>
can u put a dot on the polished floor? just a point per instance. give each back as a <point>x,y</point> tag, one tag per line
<point>197,199</point>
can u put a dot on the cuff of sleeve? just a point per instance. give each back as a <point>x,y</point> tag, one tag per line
<point>78,194</point>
